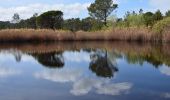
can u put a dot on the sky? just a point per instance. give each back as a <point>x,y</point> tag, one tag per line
<point>74,8</point>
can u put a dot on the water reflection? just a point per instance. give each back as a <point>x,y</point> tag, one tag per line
<point>102,65</point>
<point>89,69</point>
<point>165,70</point>
<point>6,72</point>
<point>102,61</point>
<point>52,59</point>
<point>100,86</point>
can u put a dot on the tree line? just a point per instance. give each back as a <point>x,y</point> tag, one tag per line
<point>141,19</point>
<point>99,11</point>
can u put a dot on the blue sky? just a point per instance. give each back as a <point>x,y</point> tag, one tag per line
<point>73,8</point>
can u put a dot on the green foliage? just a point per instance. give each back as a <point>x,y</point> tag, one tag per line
<point>50,20</point>
<point>96,25</point>
<point>73,24</point>
<point>148,18</point>
<point>101,9</point>
<point>168,13</point>
<point>86,24</point>
<point>161,25</point>
<point>131,20</point>
<point>157,16</point>
<point>121,24</point>
<point>135,20</point>
<point>140,20</point>
<point>4,25</point>
<point>28,23</point>
<point>99,12</point>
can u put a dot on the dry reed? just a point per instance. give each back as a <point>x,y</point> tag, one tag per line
<point>44,35</point>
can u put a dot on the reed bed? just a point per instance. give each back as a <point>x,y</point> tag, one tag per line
<point>46,35</point>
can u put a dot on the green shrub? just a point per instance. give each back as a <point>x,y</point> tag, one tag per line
<point>161,25</point>
<point>132,20</point>
<point>135,20</point>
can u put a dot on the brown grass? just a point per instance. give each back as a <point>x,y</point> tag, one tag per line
<point>44,35</point>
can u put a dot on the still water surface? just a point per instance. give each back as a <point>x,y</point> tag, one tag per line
<point>84,71</point>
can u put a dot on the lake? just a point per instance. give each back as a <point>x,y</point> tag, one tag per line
<point>85,71</point>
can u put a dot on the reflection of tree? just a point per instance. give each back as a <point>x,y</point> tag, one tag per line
<point>18,56</point>
<point>102,64</point>
<point>52,59</point>
<point>153,58</point>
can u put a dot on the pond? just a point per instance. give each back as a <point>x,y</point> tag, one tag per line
<point>85,71</point>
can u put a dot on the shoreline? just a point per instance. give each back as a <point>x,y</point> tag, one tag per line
<point>45,35</point>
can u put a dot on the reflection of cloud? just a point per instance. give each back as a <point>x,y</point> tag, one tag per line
<point>114,89</point>
<point>84,86</point>
<point>83,83</point>
<point>76,57</point>
<point>59,75</point>
<point>167,95</point>
<point>5,72</point>
<point>165,70</point>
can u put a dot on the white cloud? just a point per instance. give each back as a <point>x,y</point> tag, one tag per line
<point>115,88</point>
<point>101,86</point>
<point>165,70</point>
<point>166,95</point>
<point>26,11</point>
<point>6,72</point>
<point>160,4</point>
<point>61,76</point>
<point>83,84</point>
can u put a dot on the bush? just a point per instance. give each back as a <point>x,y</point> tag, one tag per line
<point>132,20</point>
<point>135,20</point>
<point>161,25</point>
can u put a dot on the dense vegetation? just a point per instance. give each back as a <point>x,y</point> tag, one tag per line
<point>141,26</point>
<point>99,12</point>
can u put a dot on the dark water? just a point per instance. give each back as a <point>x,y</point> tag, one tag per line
<point>84,71</point>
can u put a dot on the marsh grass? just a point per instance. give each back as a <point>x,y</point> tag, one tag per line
<point>45,35</point>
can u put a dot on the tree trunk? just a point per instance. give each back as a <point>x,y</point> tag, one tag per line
<point>105,17</point>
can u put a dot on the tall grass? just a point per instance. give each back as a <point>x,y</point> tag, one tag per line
<point>111,34</point>
<point>31,35</point>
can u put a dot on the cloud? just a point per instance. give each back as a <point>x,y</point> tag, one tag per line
<point>160,4</point>
<point>115,88</point>
<point>83,84</point>
<point>166,95</point>
<point>26,11</point>
<point>101,86</point>
<point>61,76</point>
<point>6,72</point>
<point>165,70</point>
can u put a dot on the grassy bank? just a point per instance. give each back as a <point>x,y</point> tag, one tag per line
<point>119,34</point>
